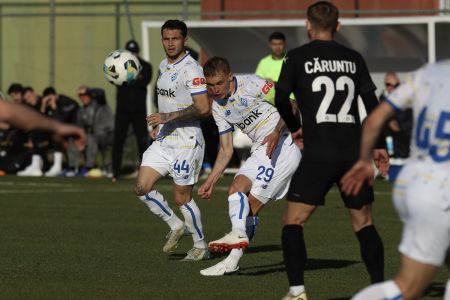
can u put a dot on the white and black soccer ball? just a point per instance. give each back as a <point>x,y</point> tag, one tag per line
<point>121,67</point>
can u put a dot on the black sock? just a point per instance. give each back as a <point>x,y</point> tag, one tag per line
<point>372,252</point>
<point>294,253</point>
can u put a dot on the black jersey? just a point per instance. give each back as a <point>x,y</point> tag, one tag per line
<point>327,79</point>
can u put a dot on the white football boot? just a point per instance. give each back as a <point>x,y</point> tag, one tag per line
<point>232,240</point>
<point>172,239</point>
<point>302,296</point>
<point>196,254</point>
<point>220,269</point>
<point>56,168</point>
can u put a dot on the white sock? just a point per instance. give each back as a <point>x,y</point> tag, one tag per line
<point>159,206</point>
<point>238,209</point>
<point>296,290</point>
<point>383,290</point>
<point>447,291</point>
<point>193,221</point>
<point>36,161</point>
<point>57,159</point>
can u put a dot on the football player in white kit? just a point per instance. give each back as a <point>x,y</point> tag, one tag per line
<point>265,175</point>
<point>422,190</point>
<point>179,146</point>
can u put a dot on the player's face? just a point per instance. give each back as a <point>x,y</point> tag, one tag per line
<point>278,48</point>
<point>219,85</point>
<point>391,82</point>
<point>174,43</point>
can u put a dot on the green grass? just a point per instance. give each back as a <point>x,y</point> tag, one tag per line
<point>74,238</point>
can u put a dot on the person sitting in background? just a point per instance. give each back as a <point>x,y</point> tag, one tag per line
<point>97,119</point>
<point>13,154</point>
<point>63,109</point>
<point>15,91</point>
<point>398,131</point>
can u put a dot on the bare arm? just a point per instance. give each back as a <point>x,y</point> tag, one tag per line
<point>200,108</point>
<point>272,139</point>
<point>24,118</point>
<point>222,160</point>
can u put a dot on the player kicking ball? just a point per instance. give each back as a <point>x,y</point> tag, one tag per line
<point>239,101</point>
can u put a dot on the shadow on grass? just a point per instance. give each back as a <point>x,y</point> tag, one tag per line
<point>435,290</point>
<point>311,264</point>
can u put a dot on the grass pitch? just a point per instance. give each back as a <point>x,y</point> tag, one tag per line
<point>75,238</point>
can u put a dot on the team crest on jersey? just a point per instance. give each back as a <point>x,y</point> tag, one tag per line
<point>174,76</point>
<point>244,102</point>
<point>227,113</point>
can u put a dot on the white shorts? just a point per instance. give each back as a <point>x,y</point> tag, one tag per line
<point>422,200</point>
<point>271,177</point>
<point>183,165</point>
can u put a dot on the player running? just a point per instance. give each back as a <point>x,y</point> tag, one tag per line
<point>239,101</point>
<point>179,145</point>
<point>422,189</point>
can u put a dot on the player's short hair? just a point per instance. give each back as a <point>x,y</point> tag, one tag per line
<point>323,15</point>
<point>175,24</point>
<point>277,36</point>
<point>215,65</point>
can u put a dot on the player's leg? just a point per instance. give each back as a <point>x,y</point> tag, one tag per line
<point>238,210</point>
<point>447,286</point>
<point>371,245</point>
<point>193,220</point>
<point>153,167</point>
<point>308,188</point>
<point>409,283</point>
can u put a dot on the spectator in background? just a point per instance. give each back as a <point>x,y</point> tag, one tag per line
<point>131,108</point>
<point>269,67</point>
<point>399,127</point>
<point>38,140</point>
<point>97,119</point>
<point>63,109</point>
<point>13,154</point>
<point>15,91</point>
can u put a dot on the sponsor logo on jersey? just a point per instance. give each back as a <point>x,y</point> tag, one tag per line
<point>227,113</point>
<point>174,76</point>
<point>164,92</point>
<point>266,88</point>
<point>244,102</point>
<point>254,115</point>
<point>198,81</point>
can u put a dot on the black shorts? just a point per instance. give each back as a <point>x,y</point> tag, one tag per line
<point>312,181</point>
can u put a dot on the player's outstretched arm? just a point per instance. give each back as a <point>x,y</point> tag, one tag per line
<point>222,160</point>
<point>200,108</point>
<point>272,139</point>
<point>354,179</point>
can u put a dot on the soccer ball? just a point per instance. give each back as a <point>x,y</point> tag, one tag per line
<point>121,67</point>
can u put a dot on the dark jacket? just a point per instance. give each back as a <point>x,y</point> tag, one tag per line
<point>132,99</point>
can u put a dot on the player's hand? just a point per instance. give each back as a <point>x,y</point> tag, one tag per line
<point>297,137</point>
<point>271,140</point>
<point>381,159</point>
<point>354,179</point>
<point>205,190</point>
<point>65,131</point>
<point>154,132</point>
<point>156,119</point>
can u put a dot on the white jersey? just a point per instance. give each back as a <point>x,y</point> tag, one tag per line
<point>177,83</point>
<point>246,109</point>
<point>426,91</point>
